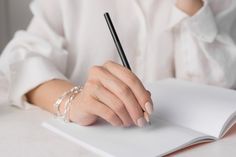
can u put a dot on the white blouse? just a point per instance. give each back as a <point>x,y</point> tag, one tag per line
<point>65,38</point>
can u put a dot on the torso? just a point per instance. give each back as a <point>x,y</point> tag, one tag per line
<point>141,26</point>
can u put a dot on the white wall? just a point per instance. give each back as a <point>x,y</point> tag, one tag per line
<point>19,15</point>
<point>14,15</point>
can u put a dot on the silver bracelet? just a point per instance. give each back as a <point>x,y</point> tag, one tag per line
<point>66,116</point>
<point>57,104</point>
<point>75,90</point>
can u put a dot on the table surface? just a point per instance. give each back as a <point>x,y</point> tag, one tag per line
<point>21,135</point>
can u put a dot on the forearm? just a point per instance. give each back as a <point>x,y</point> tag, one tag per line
<point>46,94</point>
<point>189,6</point>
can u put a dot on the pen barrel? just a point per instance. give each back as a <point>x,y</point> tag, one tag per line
<point>117,41</point>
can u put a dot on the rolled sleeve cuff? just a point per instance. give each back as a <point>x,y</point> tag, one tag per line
<point>28,74</point>
<point>203,24</point>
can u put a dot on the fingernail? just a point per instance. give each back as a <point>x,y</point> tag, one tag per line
<point>146,116</point>
<point>149,108</point>
<point>141,122</point>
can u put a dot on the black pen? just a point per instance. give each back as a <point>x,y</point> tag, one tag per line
<point>120,50</point>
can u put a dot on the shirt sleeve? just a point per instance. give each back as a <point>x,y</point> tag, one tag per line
<point>205,49</point>
<point>36,55</point>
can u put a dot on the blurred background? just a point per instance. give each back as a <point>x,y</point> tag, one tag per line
<point>14,15</point>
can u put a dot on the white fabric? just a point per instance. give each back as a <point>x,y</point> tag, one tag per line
<point>66,38</point>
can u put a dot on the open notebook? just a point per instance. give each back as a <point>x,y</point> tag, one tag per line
<point>185,114</point>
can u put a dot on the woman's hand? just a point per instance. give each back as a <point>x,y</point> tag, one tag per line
<point>189,6</point>
<point>113,93</point>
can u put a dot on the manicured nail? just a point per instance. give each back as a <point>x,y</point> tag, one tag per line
<point>149,108</point>
<point>146,116</point>
<point>141,122</point>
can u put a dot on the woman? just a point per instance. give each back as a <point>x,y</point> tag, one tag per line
<point>68,44</point>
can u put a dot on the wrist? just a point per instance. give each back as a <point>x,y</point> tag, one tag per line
<point>63,104</point>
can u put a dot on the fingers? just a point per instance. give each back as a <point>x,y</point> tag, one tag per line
<point>122,91</point>
<point>109,99</point>
<point>143,96</point>
<point>106,113</point>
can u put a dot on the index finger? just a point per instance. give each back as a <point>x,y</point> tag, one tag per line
<point>142,95</point>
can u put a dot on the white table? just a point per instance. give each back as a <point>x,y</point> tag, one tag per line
<point>21,135</point>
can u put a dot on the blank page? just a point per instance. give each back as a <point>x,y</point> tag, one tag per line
<point>156,140</point>
<point>200,107</point>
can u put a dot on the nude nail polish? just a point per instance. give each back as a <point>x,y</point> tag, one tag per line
<point>149,108</point>
<point>141,122</point>
<point>146,116</point>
